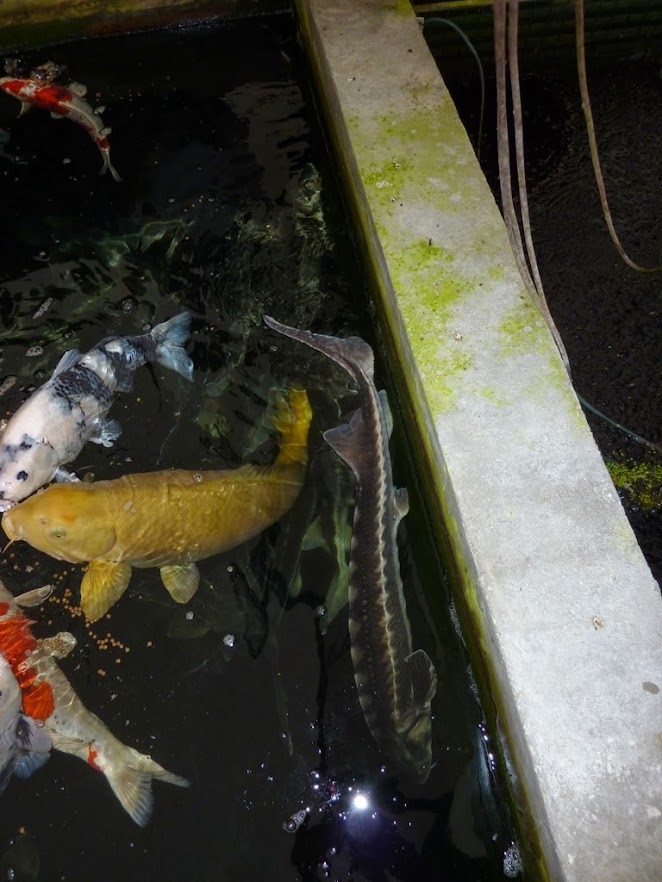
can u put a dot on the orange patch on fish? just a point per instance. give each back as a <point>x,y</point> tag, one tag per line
<point>16,644</point>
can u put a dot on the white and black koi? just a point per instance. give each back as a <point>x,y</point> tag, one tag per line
<point>395,684</point>
<point>52,426</point>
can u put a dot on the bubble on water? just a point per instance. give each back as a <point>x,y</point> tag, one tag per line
<point>128,305</point>
<point>512,862</point>
<point>292,824</point>
<point>320,612</point>
<point>189,615</point>
<point>35,350</point>
<point>228,640</point>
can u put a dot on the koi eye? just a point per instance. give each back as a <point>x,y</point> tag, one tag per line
<point>58,532</point>
<point>22,476</point>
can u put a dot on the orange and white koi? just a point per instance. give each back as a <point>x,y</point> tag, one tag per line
<point>38,89</point>
<point>51,707</point>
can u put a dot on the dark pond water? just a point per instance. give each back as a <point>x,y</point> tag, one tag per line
<point>609,316</point>
<point>228,209</point>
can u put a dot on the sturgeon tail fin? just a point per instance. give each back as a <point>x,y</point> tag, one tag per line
<point>131,780</point>
<point>169,339</point>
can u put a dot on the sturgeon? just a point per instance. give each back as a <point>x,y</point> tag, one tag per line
<point>395,684</point>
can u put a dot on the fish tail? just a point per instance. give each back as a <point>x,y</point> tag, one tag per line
<point>292,419</point>
<point>169,339</point>
<point>131,781</point>
<point>108,166</point>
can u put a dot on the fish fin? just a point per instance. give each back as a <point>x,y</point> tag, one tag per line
<point>60,645</point>
<point>62,476</point>
<point>181,581</point>
<point>314,536</point>
<point>422,675</point>
<point>28,763</point>
<point>35,597</point>
<point>79,89</point>
<point>346,351</point>
<point>26,107</point>
<point>30,736</point>
<point>103,584</point>
<point>347,443</point>
<point>68,360</point>
<point>55,115</point>
<point>107,164</point>
<point>170,338</point>
<point>106,431</point>
<point>386,411</point>
<point>131,781</point>
<point>400,503</point>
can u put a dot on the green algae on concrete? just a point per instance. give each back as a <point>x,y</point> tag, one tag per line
<point>640,481</point>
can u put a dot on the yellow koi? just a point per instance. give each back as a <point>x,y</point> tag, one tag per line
<point>165,519</point>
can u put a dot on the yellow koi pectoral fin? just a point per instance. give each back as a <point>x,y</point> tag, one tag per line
<point>102,586</point>
<point>182,582</point>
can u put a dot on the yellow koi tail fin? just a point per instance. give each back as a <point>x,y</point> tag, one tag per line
<point>292,419</point>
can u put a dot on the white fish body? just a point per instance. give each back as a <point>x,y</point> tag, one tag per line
<point>52,426</point>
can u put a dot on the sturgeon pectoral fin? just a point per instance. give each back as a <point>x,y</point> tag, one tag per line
<point>423,676</point>
<point>347,441</point>
<point>181,581</point>
<point>102,586</point>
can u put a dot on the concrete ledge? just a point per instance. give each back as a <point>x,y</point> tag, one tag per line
<point>40,22</point>
<point>558,600</point>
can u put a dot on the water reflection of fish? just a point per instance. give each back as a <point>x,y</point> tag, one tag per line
<point>52,426</point>
<point>166,519</point>
<point>395,684</point>
<point>50,701</point>
<point>332,532</point>
<point>40,90</point>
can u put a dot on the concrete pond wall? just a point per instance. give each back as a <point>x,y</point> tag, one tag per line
<point>562,614</point>
<point>38,22</point>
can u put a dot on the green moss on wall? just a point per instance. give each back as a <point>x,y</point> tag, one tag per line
<point>641,482</point>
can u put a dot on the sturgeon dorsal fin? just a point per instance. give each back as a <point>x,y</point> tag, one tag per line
<point>386,412</point>
<point>347,441</point>
<point>423,676</point>
<point>400,503</point>
<point>68,360</point>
